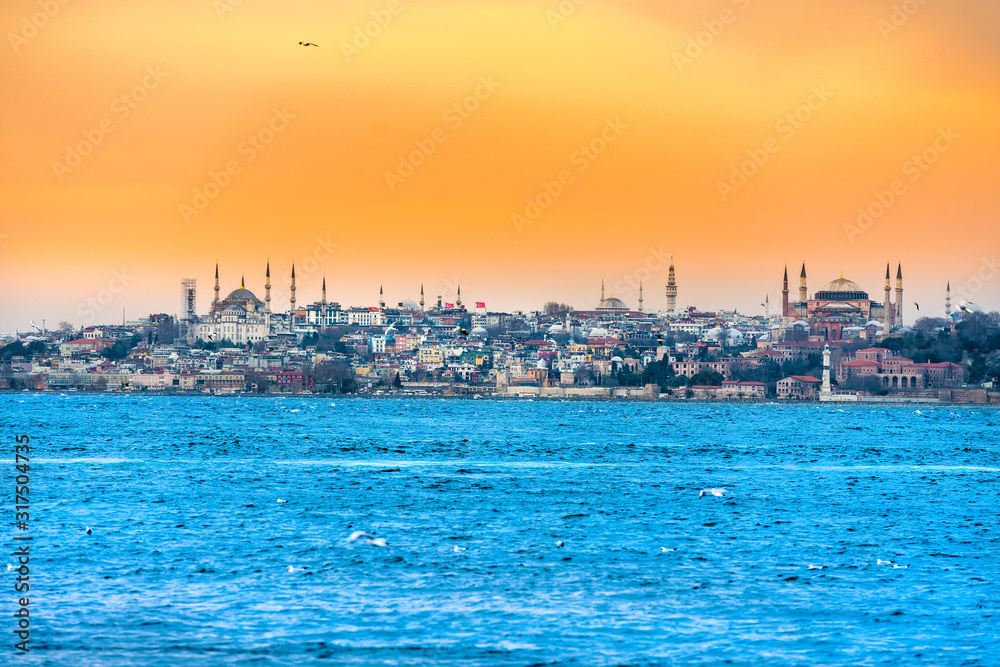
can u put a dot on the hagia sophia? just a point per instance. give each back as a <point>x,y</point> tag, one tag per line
<point>841,307</point>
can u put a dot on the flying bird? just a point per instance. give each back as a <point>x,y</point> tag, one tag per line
<point>308,44</point>
<point>462,331</point>
<point>718,493</point>
<point>369,539</point>
<point>35,325</point>
<point>917,305</point>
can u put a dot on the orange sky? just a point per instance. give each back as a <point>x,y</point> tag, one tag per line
<point>161,94</point>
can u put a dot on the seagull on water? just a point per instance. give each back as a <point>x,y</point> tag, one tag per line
<point>369,539</point>
<point>666,550</point>
<point>88,530</point>
<point>879,561</point>
<point>816,567</point>
<point>281,500</point>
<point>715,492</point>
<point>899,567</point>
<point>560,543</point>
<point>292,570</point>
<point>458,549</point>
<point>9,567</point>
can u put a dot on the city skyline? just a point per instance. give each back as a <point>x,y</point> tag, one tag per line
<point>526,151</point>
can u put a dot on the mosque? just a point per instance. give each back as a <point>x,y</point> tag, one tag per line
<point>842,309</point>
<point>241,317</point>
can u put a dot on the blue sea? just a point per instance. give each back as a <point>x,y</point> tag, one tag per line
<point>188,555</point>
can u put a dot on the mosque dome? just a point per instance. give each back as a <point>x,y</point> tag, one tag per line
<point>612,303</point>
<point>410,304</point>
<point>478,331</point>
<point>842,289</point>
<point>242,293</point>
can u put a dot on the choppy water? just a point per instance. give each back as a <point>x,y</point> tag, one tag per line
<point>188,556</point>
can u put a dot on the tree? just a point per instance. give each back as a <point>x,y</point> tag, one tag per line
<point>706,378</point>
<point>333,376</point>
<point>65,327</point>
<point>554,308</point>
<point>661,373</point>
<point>396,382</point>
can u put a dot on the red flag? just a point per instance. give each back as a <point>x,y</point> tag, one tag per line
<point>480,304</point>
<point>449,305</point>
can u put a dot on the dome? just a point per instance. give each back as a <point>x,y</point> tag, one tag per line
<point>598,332</point>
<point>616,358</point>
<point>235,308</point>
<point>612,303</point>
<point>555,328</point>
<point>842,289</point>
<point>241,293</point>
<point>478,331</point>
<point>410,304</point>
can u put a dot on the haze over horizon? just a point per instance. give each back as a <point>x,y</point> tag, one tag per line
<point>143,142</point>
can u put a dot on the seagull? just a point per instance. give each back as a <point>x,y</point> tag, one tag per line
<point>917,305</point>
<point>879,561</point>
<point>88,530</point>
<point>715,492</point>
<point>816,567</point>
<point>280,500</point>
<point>560,543</point>
<point>458,549</point>
<point>461,331</point>
<point>9,567</point>
<point>35,325</point>
<point>369,539</point>
<point>390,327</point>
<point>295,569</point>
<point>211,336</point>
<point>666,550</point>
<point>308,44</point>
<point>900,567</point>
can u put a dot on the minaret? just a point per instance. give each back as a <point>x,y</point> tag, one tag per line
<point>381,298</point>
<point>602,290</point>
<point>640,296</point>
<point>671,288</point>
<point>215,304</point>
<point>421,298</point>
<point>458,298</point>
<point>947,300</point>
<point>888,318</point>
<point>803,294</point>
<point>767,306</point>
<point>784,294</point>
<point>292,298</point>
<point>899,295</point>
<point>322,309</point>
<point>267,298</point>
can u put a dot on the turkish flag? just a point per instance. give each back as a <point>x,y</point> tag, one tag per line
<point>480,304</point>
